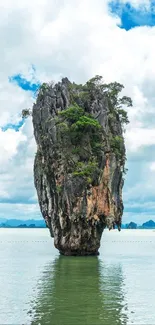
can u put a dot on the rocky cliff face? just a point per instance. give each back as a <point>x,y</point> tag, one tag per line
<point>79,164</point>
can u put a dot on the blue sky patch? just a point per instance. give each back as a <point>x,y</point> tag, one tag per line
<point>133,17</point>
<point>23,83</point>
<point>15,127</point>
<point>27,85</point>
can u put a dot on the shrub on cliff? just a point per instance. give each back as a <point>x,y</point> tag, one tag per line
<point>95,87</point>
<point>79,130</point>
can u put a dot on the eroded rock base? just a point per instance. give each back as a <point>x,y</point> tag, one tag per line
<point>79,253</point>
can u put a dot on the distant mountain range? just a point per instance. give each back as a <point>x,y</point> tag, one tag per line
<point>16,223</point>
<point>146,225</point>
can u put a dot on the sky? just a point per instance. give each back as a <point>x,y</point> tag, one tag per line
<point>44,40</point>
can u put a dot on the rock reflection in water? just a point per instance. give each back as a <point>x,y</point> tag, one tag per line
<point>80,291</point>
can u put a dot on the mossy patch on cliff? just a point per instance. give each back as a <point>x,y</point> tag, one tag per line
<point>80,134</point>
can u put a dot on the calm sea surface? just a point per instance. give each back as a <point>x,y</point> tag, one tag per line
<point>37,286</point>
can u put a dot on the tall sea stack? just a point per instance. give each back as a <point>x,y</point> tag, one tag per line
<point>79,164</point>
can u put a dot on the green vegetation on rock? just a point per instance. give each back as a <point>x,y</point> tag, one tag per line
<point>95,87</point>
<point>80,132</point>
<point>26,113</point>
<point>80,135</point>
<point>59,189</point>
<point>81,138</point>
<point>72,114</point>
<point>116,145</point>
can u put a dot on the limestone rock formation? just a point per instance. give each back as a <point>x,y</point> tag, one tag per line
<point>79,164</point>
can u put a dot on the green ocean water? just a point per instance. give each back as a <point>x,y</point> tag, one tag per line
<point>37,286</point>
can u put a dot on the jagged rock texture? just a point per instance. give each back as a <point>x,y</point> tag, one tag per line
<point>75,212</point>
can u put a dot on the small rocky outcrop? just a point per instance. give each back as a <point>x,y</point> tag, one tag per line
<point>79,164</point>
<point>132,225</point>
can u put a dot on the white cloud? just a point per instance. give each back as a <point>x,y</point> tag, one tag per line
<point>138,137</point>
<point>16,181</point>
<point>152,166</point>
<point>12,101</point>
<point>19,211</point>
<point>9,141</point>
<point>77,39</point>
<point>145,4</point>
<point>139,217</point>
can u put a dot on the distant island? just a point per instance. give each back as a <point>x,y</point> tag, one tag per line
<point>146,225</point>
<point>16,223</point>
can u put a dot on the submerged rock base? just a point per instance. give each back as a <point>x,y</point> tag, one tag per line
<point>79,253</point>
